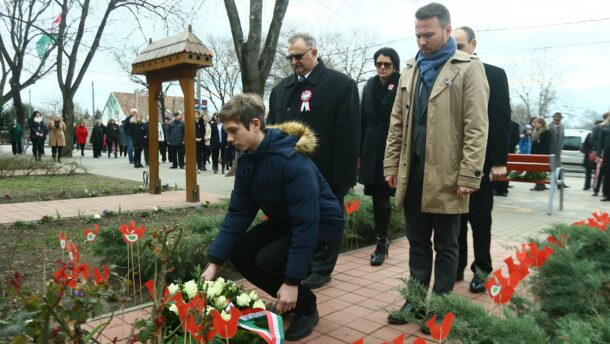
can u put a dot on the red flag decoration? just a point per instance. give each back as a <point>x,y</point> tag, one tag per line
<point>63,238</point>
<point>132,233</point>
<point>352,206</point>
<point>539,257</point>
<point>500,288</point>
<point>90,236</point>
<point>57,20</point>
<point>99,278</point>
<point>522,268</point>
<point>224,328</point>
<point>419,341</point>
<point>440,332</point>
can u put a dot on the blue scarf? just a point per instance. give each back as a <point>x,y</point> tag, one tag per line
<point>428,65</point>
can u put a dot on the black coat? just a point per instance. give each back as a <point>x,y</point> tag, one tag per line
<point>544,143</point>
<point>176,133</point>
<point>334,116</point>
<point>375,109</point>
<point>139,133</point>
<point>513,136</point>
<point>97,135</point>
<point>587,147</point>
<point>200,130</point>
<point>217,141</point>
<point>112,132</point>
<point>498,110</point>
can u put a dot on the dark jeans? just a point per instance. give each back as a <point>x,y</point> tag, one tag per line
<point>325,258</point>
<point>56,151</point>
<point>261,257</point>
<point>176,154</point>
<point>97,150</point>
<point>589,169</point>
<point>163,150</point>
<point>606,171</point>
<point>137,155</point>
<point>38,147</point>
<point>112,147</point>
<point>17,148</point>
<point>82,148</point>
<point>130,148</point>
<point>215,153</point>
<point>443,229</point>
<point>481,205</point>
<point>199,151</point>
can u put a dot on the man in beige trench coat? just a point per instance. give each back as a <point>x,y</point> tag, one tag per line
<point>436,148</point>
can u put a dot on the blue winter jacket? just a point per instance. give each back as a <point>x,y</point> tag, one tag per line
<point>287,186</point>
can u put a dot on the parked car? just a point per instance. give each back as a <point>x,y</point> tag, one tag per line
<point>573,139</point>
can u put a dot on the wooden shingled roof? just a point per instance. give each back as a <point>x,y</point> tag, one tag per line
<point>183,48</point>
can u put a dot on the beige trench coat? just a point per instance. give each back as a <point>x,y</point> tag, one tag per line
<point>57,136</point>
<point>456,135</point>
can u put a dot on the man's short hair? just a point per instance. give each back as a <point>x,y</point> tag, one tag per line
<point>434,9</point>
<point>469,32</point>
<point>177,113</point>
<point>310,42</point>
<point>243,108</point>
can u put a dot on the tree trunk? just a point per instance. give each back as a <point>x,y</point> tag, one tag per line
<point>68,116</point>
<point>18,104</point>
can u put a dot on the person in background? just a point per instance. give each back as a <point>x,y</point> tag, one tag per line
<point>199,140</point>
<point>37,128</point>
<point>176,141</point>
<point>126,123</point>
<point>501,187</point>
<point>218,142</point>
<point>81,137</point>
<point>589,159</point>
<point>161,139</point>
<point>542,143</point>
<point>139,133</point>
<point>595,140</point>
<point>525,140</point>
<point>206,141</point>
<point>557,129</point>
<point>229,157</point>
<point>603,149</point>
<point>112,138</point>
<point>375,110</point>
<point>16,134</point>
<point>163,144</point>
<point>97,138</point>
<point>122,141</point>
<point>57,137</point>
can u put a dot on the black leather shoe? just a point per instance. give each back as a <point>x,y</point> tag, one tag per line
<point>398,317</point>
<point>439,319</point>
<point>606,199</point>
<point>381,251</point>
<point>477,286</point>
<point>315,281</point>
<point>301,326</point>
<point>460,276</point>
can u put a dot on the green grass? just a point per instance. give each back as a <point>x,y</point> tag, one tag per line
<point>45,188</point>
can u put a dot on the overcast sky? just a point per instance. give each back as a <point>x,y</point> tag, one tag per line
<point>510,34</point>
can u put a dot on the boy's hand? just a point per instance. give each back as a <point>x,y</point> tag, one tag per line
<point>286,298</point>
<point>210,272</point>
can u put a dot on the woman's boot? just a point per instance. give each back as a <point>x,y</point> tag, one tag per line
<point>59,151</point>
<point>381,251</point>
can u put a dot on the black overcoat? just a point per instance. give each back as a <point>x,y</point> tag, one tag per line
<point>334,116</point>
<point>498,110</point>
<point>376,108</point>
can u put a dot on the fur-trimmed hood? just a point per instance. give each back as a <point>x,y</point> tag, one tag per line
<point>306,138</point>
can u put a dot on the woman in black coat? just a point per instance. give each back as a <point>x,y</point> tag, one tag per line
<point>97,138</point>
<point>199,140</point>
<point>139,134</point>
<point>376,107</point>
<point>112,137</point>
<point>37,127</point>
<point>542,141</point>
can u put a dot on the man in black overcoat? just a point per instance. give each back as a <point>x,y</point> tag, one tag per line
<point>328,102</point>
<point>481,202</point>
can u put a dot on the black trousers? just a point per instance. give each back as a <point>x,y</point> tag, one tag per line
<point>422,230</point>
<point>481,205</point>
<point>82,148</point>
<point>163,150</point>
<point>325,258</point>
<point>199,152</point>
<point>56,151</point>
<point>261,257</point>
<point>38,147</point>
<point>137,155</point>
<point>112,147</point>
<point>176,154</point>
<point>17,149</point>
<point>215,152</point>
<point>589,170</point>
<point>97,150</point>
<point>606,171</point>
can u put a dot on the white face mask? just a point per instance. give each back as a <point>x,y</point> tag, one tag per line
<point>37,119</point>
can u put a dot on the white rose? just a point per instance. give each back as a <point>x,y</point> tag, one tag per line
<point>173,308</point>
<point>190,288</point>
<point>213,291</point>
<point>221,302</point>
<point>253,295</point>
<point>243,300</point>
<point>208,309</point>
<point>259,304</point>
<point>220,282</point>
<point>173,288</point>
<point>225,316</point>
<point>97,216</point>
<point>155,209</point>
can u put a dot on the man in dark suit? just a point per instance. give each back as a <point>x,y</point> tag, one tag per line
<point>481,202</point>
<point>218,143</point>
<point>328,102</point>
<point>501,188</point>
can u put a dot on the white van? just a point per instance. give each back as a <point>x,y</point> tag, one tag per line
<point>572,140</point>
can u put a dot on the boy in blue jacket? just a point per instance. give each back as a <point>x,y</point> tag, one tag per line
<point>275,175</point>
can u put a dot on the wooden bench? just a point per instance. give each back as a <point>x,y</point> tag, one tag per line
<point>539,163</point>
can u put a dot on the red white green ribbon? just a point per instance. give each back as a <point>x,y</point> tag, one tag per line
<point>274,334</point>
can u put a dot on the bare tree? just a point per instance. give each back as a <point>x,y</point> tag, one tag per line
<point>221,81</point>
<point>535,87</point>
<point>23,21</point>
<point>255,61</point>
<point>73,39</point>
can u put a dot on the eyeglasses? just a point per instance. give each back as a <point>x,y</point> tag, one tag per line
<point>383,64</point>
<point>298,57</point>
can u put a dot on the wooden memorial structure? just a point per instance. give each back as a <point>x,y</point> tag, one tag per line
<point>174,58</point>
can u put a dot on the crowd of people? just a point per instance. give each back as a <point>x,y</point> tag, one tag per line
<point>435,136</point>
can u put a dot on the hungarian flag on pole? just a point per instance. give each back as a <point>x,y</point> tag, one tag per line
<point>46,40</point>
<point>57,20</point>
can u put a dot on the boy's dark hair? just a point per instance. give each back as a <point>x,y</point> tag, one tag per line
<point>434,9</point>
<point>391,53</point>
<point>243,108</point>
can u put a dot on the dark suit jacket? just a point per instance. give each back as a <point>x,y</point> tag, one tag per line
<point>217,141</point>
<point>334,116</point>
<point>499,116</point>
<point>513,136</point>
